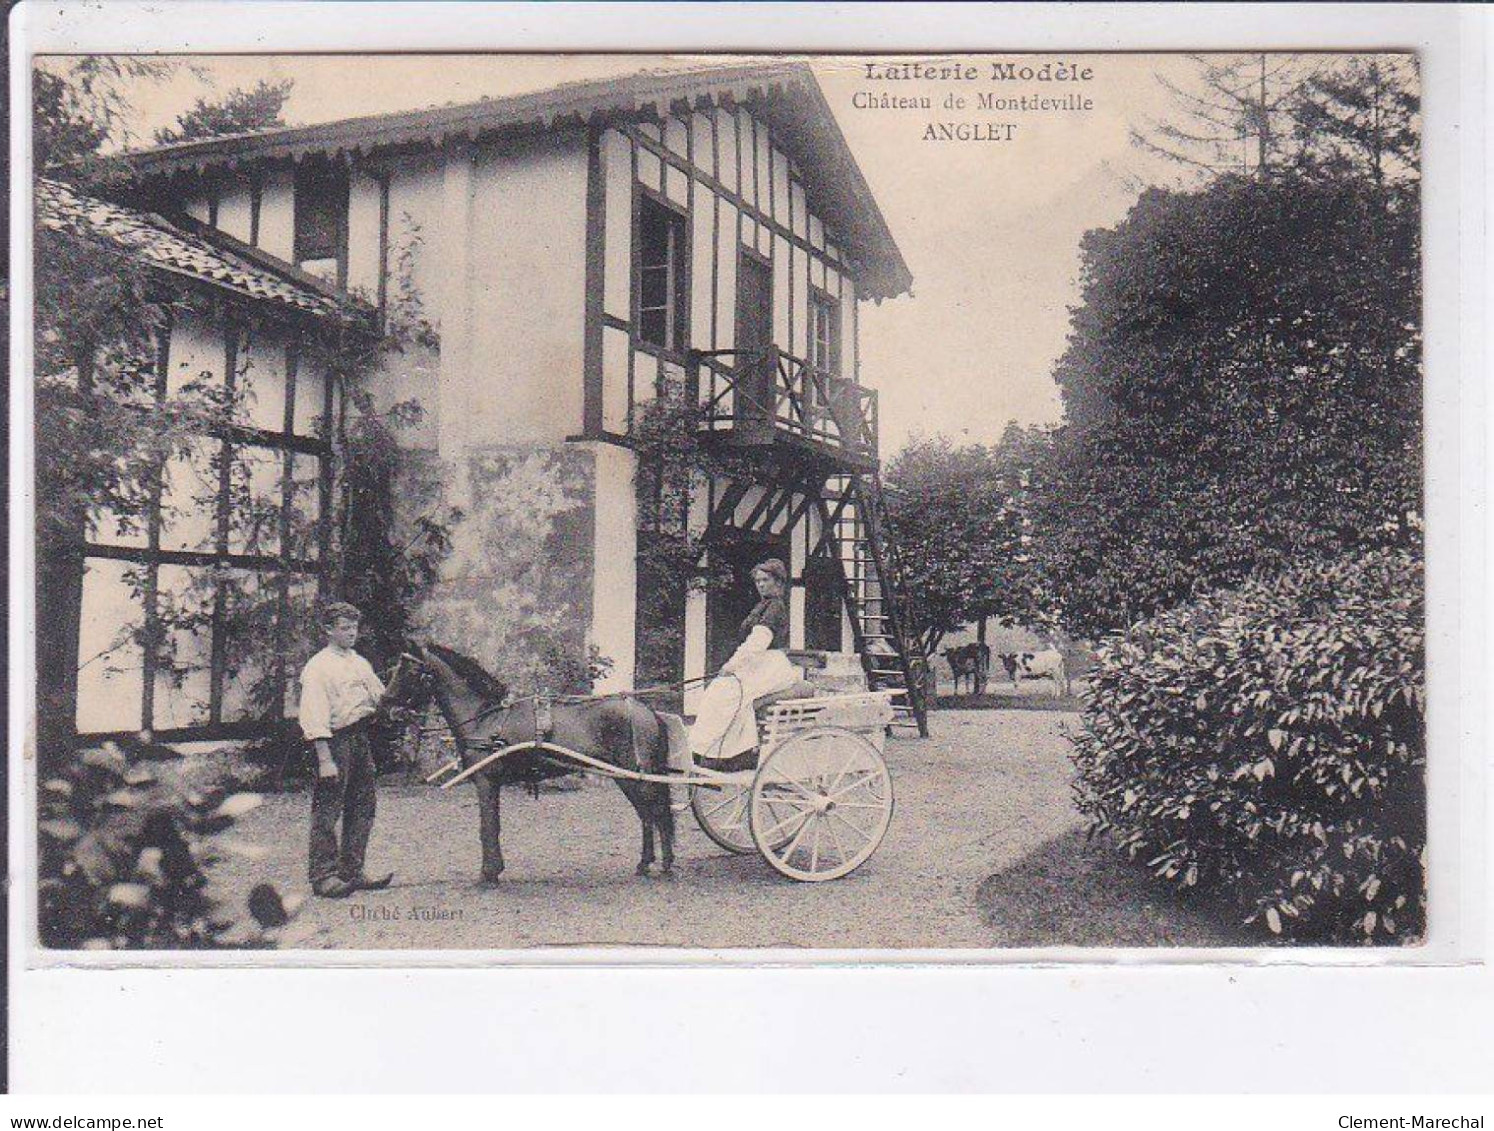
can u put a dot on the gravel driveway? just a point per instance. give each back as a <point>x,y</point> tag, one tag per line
<point>984,850</point>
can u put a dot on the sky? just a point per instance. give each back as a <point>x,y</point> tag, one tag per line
<point>990,228</point>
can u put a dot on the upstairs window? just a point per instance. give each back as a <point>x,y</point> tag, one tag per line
<point>321,245</point>
<point>824,326</point>
<point>661,276</point>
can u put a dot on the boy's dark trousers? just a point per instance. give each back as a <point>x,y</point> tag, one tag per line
<point>351,797</point>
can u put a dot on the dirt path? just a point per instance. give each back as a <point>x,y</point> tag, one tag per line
<point>984,850</point>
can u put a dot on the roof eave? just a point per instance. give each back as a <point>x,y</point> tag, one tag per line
<point>884,273</point>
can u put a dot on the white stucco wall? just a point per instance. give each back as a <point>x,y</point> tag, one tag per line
<point>235,211</point>
<point>617,167</point>
<point>261,379</point>
<point>196,353</point>
<point>111,661</point>
<point>415,229</point>
<point>363,235</point>
<point>615,558</point>
<point>277,213</point>
<point>527,266</point>
<point>197,350</point>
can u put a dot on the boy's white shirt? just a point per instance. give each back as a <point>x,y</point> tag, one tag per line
<point>338,688</point>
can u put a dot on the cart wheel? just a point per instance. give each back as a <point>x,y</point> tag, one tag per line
<point>721,813</point>
<point>820,804</point>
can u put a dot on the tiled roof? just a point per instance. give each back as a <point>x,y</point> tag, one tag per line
<point>172,248</point>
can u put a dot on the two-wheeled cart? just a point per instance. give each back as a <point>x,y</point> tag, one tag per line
<point>817,804</point>
<point>820,800</point>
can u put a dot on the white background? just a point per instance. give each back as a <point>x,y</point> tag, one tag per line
<point>1274,1021</point>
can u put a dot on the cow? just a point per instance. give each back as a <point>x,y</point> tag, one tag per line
<point>1047,664</point>
<point>970,662</point>
<point>1012,662</point>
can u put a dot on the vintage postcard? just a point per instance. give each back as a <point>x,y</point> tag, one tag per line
<point>817,503</point>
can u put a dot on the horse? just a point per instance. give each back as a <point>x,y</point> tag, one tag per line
<point>619,730</point>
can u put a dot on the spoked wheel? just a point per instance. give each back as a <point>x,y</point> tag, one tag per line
<point>820,804</point>
<point>721,813</point>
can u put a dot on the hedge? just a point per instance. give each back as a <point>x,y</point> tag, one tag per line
<point>126,849</point>
<point>1267,744</point>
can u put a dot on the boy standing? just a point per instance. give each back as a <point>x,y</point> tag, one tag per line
<point>339,695</point>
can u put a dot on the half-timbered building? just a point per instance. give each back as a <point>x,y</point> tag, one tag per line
<point>577,252</point>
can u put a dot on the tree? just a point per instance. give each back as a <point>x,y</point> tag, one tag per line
<point>63,132</point>
<point>959,517</point>
<point>1242,383</point>
<point>1238,109</point>
<point>675,465</point>
<point>239,111</point>
<point>1348,114</point>
<point>1012,592</point>
<point>1242,389</point>
<point>80,105</point>
<point>1361,119</point>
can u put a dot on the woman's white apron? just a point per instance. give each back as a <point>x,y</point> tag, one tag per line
<point>725,724</point>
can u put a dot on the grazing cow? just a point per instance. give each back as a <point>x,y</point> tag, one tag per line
<point>1012,662</point>
<point>1047,664</point>
<point>970,662</point>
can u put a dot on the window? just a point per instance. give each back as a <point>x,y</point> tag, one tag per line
<point>661,276</point>
<point>321,238</point>
<point>834,401</point>
<point>824,326</point>
<point>200,620</point>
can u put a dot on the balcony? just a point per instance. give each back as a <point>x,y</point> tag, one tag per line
<point>773,400</point>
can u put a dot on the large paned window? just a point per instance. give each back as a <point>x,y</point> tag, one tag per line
<point>321,208</point>
<point>195,624</point>
<point>662,255</point>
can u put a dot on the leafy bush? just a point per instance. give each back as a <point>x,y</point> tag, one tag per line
<point>124,854</point>
<point>1268,744</point>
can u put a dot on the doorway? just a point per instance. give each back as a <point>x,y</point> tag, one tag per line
<point>754,400</point>
<point>735,554</point>
<point>822,585</point>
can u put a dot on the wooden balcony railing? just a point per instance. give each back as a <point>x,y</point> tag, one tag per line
<point>768,395</point>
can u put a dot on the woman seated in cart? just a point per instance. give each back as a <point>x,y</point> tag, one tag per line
<point>724,736</point>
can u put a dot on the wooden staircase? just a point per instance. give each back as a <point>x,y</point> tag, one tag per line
<point>815,438</point>
<point>853,517</point>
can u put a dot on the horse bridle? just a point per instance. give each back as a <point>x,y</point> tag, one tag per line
<point>398,712</point>
<point>401,713</point>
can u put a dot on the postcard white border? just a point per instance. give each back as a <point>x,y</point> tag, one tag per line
<point>51,995</point>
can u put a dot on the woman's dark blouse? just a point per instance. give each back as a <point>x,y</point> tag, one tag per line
<point>772,614</point>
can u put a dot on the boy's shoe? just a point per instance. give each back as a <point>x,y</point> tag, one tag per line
<point>333,887</point>
<point>361,882</point>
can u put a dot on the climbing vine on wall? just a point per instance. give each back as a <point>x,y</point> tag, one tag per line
<point>376,561</point>
<point>674,466</point>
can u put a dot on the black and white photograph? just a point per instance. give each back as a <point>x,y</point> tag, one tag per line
<point>721,504</point>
